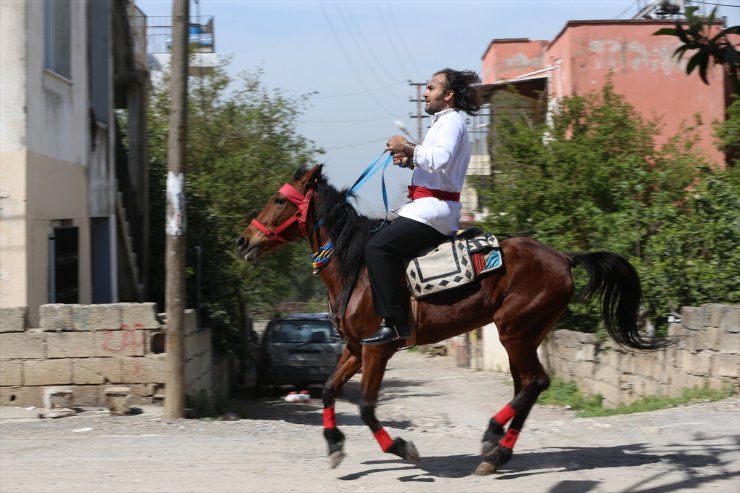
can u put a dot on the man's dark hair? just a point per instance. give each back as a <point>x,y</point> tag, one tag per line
<point>461,83</point>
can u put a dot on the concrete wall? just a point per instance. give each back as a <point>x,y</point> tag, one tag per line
<point>87,348</point>
<point>708,355</point>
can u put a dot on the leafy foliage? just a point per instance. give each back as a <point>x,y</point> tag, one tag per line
<point>594,179</point>
<point>696,35</point>
<point>242,145</point>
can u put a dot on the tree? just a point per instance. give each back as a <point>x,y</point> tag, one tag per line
<point>242,145</point>
<point>599,182</point>
<point>696,35</point>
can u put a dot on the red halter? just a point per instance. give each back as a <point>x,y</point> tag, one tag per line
<point>300,201</point>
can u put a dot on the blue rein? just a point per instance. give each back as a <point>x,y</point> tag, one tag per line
<point>323,255</point>
<point>367,174</point>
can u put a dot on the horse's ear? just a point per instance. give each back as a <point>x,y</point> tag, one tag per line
<point>312,175</point>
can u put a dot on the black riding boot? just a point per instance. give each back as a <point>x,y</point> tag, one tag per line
<point>390,330</point>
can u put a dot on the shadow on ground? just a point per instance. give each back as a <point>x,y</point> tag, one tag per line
<point>689,459</point>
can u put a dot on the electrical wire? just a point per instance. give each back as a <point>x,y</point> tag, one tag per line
<point>357,92</point>
<point>355,145</point>
<point>345,121</point>
<point>368,46</point>
<point>349,60</point>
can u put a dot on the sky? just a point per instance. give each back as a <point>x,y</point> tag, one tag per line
<point>359,57</point>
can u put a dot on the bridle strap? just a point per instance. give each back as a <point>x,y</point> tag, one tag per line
<point>300,201</point>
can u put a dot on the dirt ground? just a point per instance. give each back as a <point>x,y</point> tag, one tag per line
<point>443,409</point>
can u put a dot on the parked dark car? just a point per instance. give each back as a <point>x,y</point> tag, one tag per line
<point>297,350</point>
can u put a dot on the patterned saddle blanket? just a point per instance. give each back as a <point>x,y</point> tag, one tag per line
<point>453,263</point>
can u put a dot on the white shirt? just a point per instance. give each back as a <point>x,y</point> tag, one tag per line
<point>440,163</point>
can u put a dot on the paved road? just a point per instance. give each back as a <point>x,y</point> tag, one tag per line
<point>441,408</point>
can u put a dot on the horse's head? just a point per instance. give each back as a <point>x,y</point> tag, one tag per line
<point>283,219</point>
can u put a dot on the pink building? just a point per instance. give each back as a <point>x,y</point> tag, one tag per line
<point>584,53</point>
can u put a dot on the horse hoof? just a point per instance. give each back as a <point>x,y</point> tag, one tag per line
<point>486,448</point>
<point>485,468</point>
<point>412,455</point>
<point>336,458</point>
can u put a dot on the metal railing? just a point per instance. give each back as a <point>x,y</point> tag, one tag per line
<point>159,34</point>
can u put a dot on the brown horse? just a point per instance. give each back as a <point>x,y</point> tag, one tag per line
<point>525,299</point>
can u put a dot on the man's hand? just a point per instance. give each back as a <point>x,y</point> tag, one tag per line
<point>396,144</point>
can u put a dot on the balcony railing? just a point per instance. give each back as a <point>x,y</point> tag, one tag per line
<point>200,34</point>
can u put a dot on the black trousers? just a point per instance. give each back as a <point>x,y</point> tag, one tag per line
<point>384,255</point>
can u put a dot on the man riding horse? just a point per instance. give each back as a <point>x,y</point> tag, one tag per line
<point>440,163</point>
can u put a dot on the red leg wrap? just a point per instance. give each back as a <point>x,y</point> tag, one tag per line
<point>383,439</point>
<point>504,415</point>
<point>509,439</point>
<point>330,421</point>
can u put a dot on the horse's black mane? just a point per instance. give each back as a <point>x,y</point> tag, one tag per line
<point>348,230</point>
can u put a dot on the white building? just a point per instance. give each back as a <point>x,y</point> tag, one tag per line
<point>73,178</point>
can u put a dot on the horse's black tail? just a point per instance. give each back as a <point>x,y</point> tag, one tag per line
<point>614,280</point>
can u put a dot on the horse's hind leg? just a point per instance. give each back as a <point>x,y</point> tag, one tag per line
<point>497,447</point>
<point>520,339</point>
<point>347,366</point>
<point>375,361</point>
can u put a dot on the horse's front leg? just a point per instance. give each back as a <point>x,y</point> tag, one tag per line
<point>375,359</point>
<point>346,368</point>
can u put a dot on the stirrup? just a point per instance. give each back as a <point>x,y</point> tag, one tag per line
<point>386,333</point>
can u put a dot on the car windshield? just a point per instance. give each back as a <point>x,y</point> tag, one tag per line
<point>299,331</point>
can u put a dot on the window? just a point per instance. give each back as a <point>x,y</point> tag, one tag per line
<point>64,265</point>
<point>57,32</point>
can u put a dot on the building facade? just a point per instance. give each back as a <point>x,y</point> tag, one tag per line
<point>641,67</point>
<point>73,186</point>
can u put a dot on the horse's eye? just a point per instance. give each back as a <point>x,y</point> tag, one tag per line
<point>279,200</point>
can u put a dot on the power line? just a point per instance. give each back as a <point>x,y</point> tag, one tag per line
<point>349,60</point>
<point>358,31</point>
<point>345,121</point>
<point>358,92</point>
<point>714,3</point>
<point>355,145</point>
<point>390,35</point>
<point>409,55</point>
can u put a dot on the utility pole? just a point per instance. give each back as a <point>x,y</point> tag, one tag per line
<point>174,400</point>
<point>419,117</point>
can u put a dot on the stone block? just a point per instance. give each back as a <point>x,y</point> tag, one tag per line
<point>118,400</point>
<point>730,319</point>
<point>692,317</point>
<point>13,319</point>
<point>92,371</point>
<point>700,364</point>
<point>96,317</point>
<point>47,372</point>
<point>21,396</point>
<point>147,369</point>
<point>139,315</point>
<point>116,343</point>
<point>608,375</point>
<point>56,317</point>
<point>708,338</point>
<point>727,365</point>
<point>70,345</point>
<point>88,395</point>
<point>714,313</point>
<point>612,359</point>
<point>11,372</point>
<point>612,395</point>
<point>191,321</point>
<point>729,343</point>
<point>22,345</point>
<point>587,352</point>
<point>643,364</point>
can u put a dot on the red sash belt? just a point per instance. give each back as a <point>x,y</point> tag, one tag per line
<point>421,192</point>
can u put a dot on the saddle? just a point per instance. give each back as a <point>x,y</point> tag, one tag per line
<point>453,263</point>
